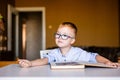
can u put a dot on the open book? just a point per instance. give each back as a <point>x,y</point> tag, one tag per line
<point>76,65</point>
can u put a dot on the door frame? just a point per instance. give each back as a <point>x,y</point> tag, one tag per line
<point>36,9</point>
<point>16,10</point>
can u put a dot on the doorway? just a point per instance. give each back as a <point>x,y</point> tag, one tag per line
<point>31,32</point>
<point>15,31</point>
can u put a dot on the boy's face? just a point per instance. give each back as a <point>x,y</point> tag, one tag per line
<point>65,36</point>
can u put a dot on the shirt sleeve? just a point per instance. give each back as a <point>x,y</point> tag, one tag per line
<point>93,57</point>
<point>87,56</point>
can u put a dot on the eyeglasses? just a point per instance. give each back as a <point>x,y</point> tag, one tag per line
<point>63,36</point>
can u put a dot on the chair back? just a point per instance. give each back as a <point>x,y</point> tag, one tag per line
<point>43,53</point>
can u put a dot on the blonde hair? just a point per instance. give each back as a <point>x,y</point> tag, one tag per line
<point>70,24</point>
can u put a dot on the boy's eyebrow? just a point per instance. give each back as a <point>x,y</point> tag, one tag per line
<point>63,33</point>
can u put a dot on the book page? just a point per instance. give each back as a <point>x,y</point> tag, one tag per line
<point>67,63</point>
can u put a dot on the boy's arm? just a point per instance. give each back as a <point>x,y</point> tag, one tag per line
<point>38,62</point>
<point>104,60</point>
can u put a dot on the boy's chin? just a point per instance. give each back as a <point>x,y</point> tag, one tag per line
<point>62,46</point>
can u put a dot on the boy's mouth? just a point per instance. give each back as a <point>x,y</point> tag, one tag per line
<point>60,41</point>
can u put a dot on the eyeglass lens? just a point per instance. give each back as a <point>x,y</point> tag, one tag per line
<point>63,36</point>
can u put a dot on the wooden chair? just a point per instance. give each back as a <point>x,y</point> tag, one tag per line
<point>44,52</point>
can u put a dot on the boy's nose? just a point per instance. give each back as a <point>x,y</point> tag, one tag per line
<point>60,37</point>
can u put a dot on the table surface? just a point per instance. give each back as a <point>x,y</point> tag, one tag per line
<point>14,70</point>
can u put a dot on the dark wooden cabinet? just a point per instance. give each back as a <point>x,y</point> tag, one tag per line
<point>5,55</point>
<point>119,22</point>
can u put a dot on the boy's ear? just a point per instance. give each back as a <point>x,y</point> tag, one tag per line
<point>73,41</point>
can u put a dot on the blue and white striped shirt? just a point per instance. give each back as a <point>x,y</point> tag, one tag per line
<point>74,54</point>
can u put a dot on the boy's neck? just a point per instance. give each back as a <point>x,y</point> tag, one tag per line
<point>64,50</point>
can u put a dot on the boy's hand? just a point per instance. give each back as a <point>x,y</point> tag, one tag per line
<point>25,63</point>
<point>113,64</point>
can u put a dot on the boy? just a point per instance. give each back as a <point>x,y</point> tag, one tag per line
<point>64,38</point>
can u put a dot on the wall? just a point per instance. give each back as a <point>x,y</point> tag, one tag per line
<point>97,20</point>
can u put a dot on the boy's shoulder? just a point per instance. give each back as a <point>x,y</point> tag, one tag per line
<point>76,48</point>
<point>54,50</point>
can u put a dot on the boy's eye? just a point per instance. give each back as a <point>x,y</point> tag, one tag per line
<point>65,35</point>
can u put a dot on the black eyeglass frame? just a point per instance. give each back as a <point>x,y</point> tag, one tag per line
<point>62,36</point>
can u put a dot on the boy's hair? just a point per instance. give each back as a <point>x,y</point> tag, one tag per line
<point>73,26</point>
